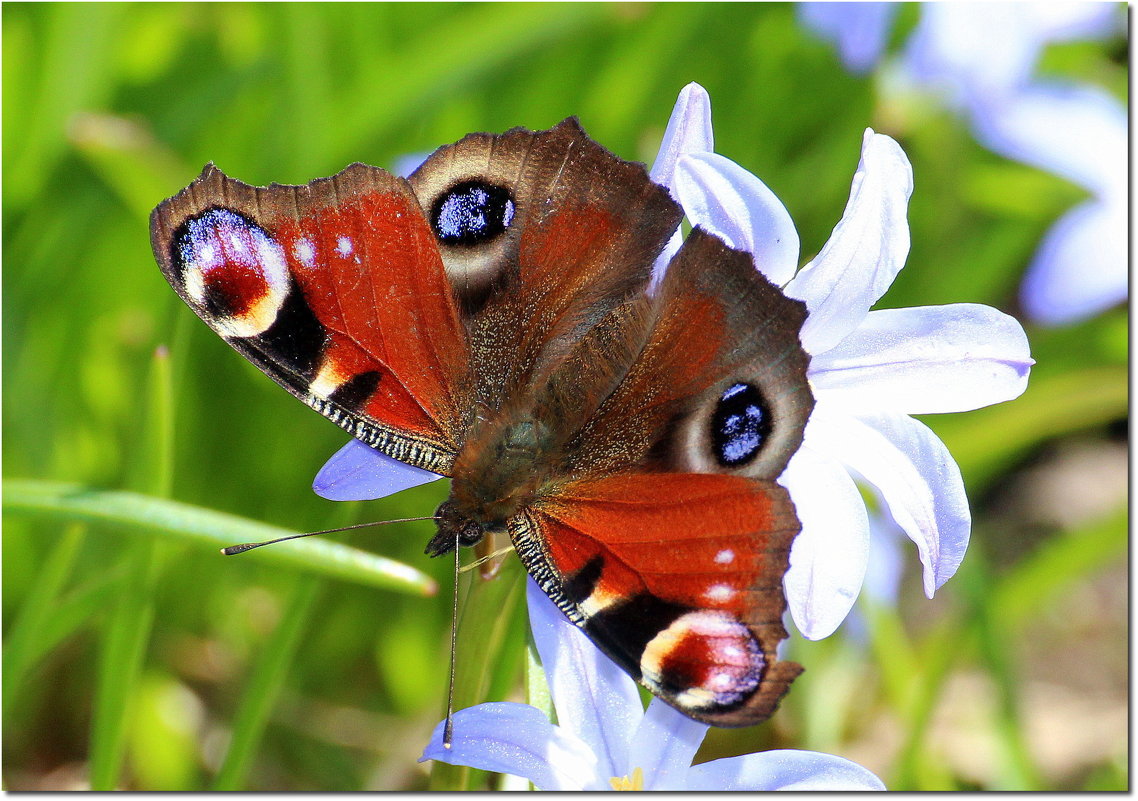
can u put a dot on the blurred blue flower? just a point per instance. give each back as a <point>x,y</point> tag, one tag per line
<point>977,55</point>
<point>869,371</point>
<point>605,739</point>
<point>1080,133</point>
<point>981,58</point>
<point>860,30</point>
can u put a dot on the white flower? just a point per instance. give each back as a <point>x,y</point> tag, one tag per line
<point>984,57</point>
<point>606,740</point>
<point>869,371</point>
<point>979,54</point>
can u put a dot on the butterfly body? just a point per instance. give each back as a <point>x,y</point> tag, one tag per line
<point>491,319</point>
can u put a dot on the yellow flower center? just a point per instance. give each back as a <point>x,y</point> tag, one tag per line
<point>634,781</point>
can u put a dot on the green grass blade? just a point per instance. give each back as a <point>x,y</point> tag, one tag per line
<point>915,767</point>
<point>985,441</point>
<point>537,684</point>
<point>71,612</point>
<point>450,59</point>
<point>20,648</point>
<point>1058,565</point>
<point>133,511</point>
<point>897,664</point>
<point>123,648</point>
<point>1016,770</point>
<point>120,662</point>
<point>265,685</point>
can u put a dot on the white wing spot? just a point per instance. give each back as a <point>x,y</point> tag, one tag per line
<point>719,593</point>
<point>344,246</point>
<point>208,255</point>
<point>305,252</point>
<point>725,557</point>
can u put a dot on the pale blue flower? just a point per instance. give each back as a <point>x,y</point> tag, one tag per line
<point>605,739</point>
<point>979,54</point>
<point>358,472</point>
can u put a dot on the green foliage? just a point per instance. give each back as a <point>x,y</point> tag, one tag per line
<point>136,657</point>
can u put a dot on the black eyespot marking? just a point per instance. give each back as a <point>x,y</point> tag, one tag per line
<point>739,426</point>
<point>471,213</point>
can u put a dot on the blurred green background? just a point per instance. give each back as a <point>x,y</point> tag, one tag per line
<point>136,657</point>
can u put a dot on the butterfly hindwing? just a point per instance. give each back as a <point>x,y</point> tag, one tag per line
<point>571,233</point>
<point>719,384</point>
<point>678,578</point>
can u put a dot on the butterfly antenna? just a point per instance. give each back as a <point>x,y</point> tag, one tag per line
<point>248,546</point>
<point>448,729</point>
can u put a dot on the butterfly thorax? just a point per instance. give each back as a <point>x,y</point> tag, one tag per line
<point>500,469</point>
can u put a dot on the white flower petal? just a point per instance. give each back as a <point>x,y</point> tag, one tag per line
<point>722,197</point>
<point>689,131</point>
<point>660,266</point>
<point>917,478</point>
<point>866,250</point>
<point>519,740</point>
<point>1082,265</point>
<point>594,698</point>
<point>359,473</point>
<point>925,360</point>
<point>829,556</point>
<point>800,771</point>
<point>664,745</point>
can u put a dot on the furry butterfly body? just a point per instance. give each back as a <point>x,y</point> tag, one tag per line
<point>490,319</point>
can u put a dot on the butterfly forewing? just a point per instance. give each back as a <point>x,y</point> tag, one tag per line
<point>584,228</point>
<point>336,290</point>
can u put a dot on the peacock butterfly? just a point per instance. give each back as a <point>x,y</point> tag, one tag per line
<point>490,319</point>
